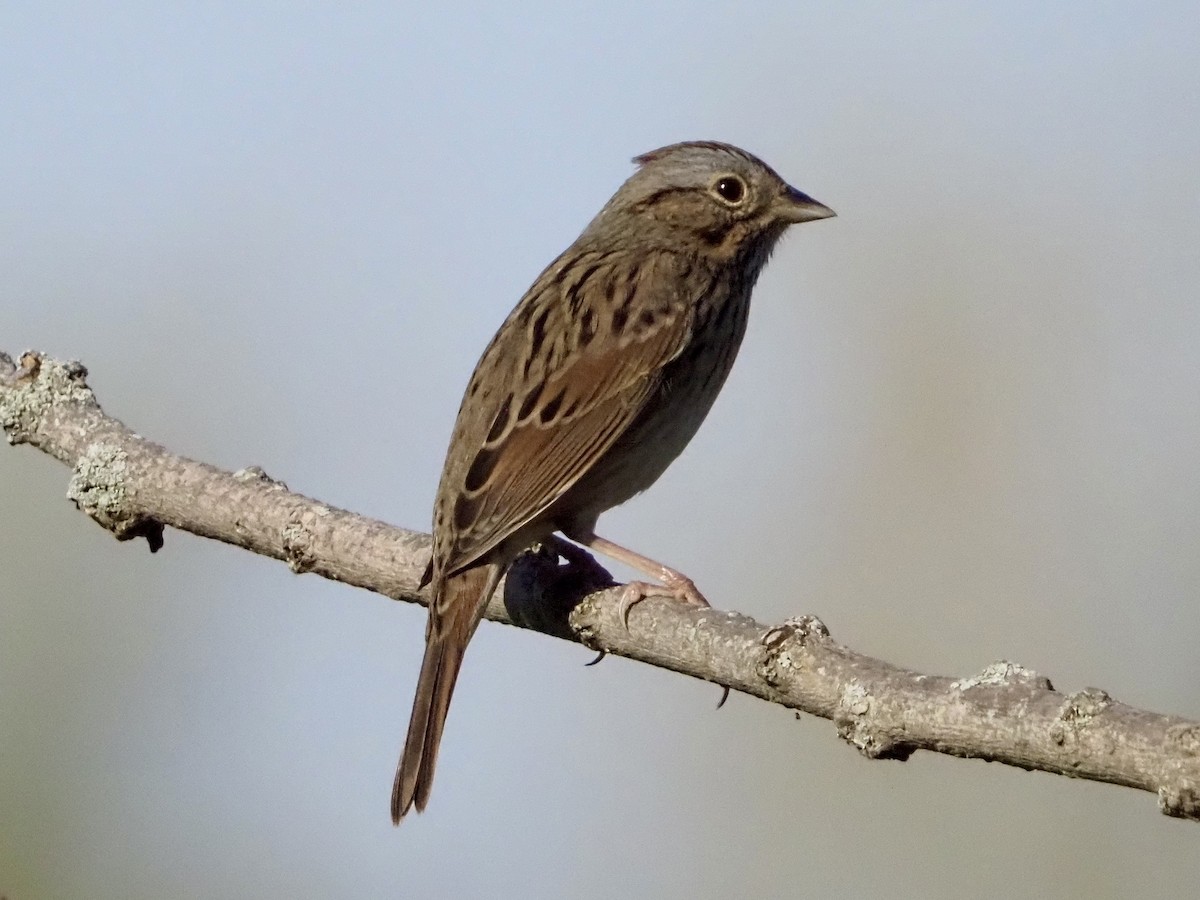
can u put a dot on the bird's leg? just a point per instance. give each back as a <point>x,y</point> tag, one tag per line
<point>671,582</point>
<point>674,583</point>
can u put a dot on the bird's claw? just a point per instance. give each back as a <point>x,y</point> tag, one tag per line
<point>674,585</point>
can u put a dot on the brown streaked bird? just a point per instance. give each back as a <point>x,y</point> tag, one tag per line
<point>595,382</point>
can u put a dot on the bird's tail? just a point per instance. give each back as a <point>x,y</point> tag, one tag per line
<point>453,616</point>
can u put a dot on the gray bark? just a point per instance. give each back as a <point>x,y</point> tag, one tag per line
<point>1005,713</point>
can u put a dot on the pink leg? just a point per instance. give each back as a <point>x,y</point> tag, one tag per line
<point>672,583</point>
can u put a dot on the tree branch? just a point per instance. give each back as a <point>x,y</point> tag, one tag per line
<point>134,488</point>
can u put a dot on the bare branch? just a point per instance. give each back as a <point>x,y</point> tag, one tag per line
<point>134,488</point>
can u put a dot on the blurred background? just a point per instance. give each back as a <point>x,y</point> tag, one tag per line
<point>964,426</point>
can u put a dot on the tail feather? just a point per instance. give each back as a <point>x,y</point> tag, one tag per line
<point>453,616</point>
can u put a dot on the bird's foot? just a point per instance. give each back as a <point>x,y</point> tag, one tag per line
<point>674,584</point>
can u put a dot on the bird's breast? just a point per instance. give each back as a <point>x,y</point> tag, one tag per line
<point>684,391</point>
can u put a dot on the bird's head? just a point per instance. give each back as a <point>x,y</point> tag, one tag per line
<point>718,196</point>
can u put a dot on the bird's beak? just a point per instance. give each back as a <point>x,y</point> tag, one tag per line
<point>796,207</point>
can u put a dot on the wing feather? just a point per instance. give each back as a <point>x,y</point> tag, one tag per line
<point>564,378</point>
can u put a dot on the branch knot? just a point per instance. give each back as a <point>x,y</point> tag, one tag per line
<point>98,487</point>
<point>34,387</point>
<point>779,643</point>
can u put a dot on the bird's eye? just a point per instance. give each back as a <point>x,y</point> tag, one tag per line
<point>731,189</point>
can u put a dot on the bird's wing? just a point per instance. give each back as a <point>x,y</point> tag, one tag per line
<point>565,376</point>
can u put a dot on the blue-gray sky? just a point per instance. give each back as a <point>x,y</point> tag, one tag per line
<point>964,427</point>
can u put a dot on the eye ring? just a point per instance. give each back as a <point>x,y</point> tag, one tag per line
<point>730,189</point>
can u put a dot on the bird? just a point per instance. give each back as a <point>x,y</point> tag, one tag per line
<point>593,385</point>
